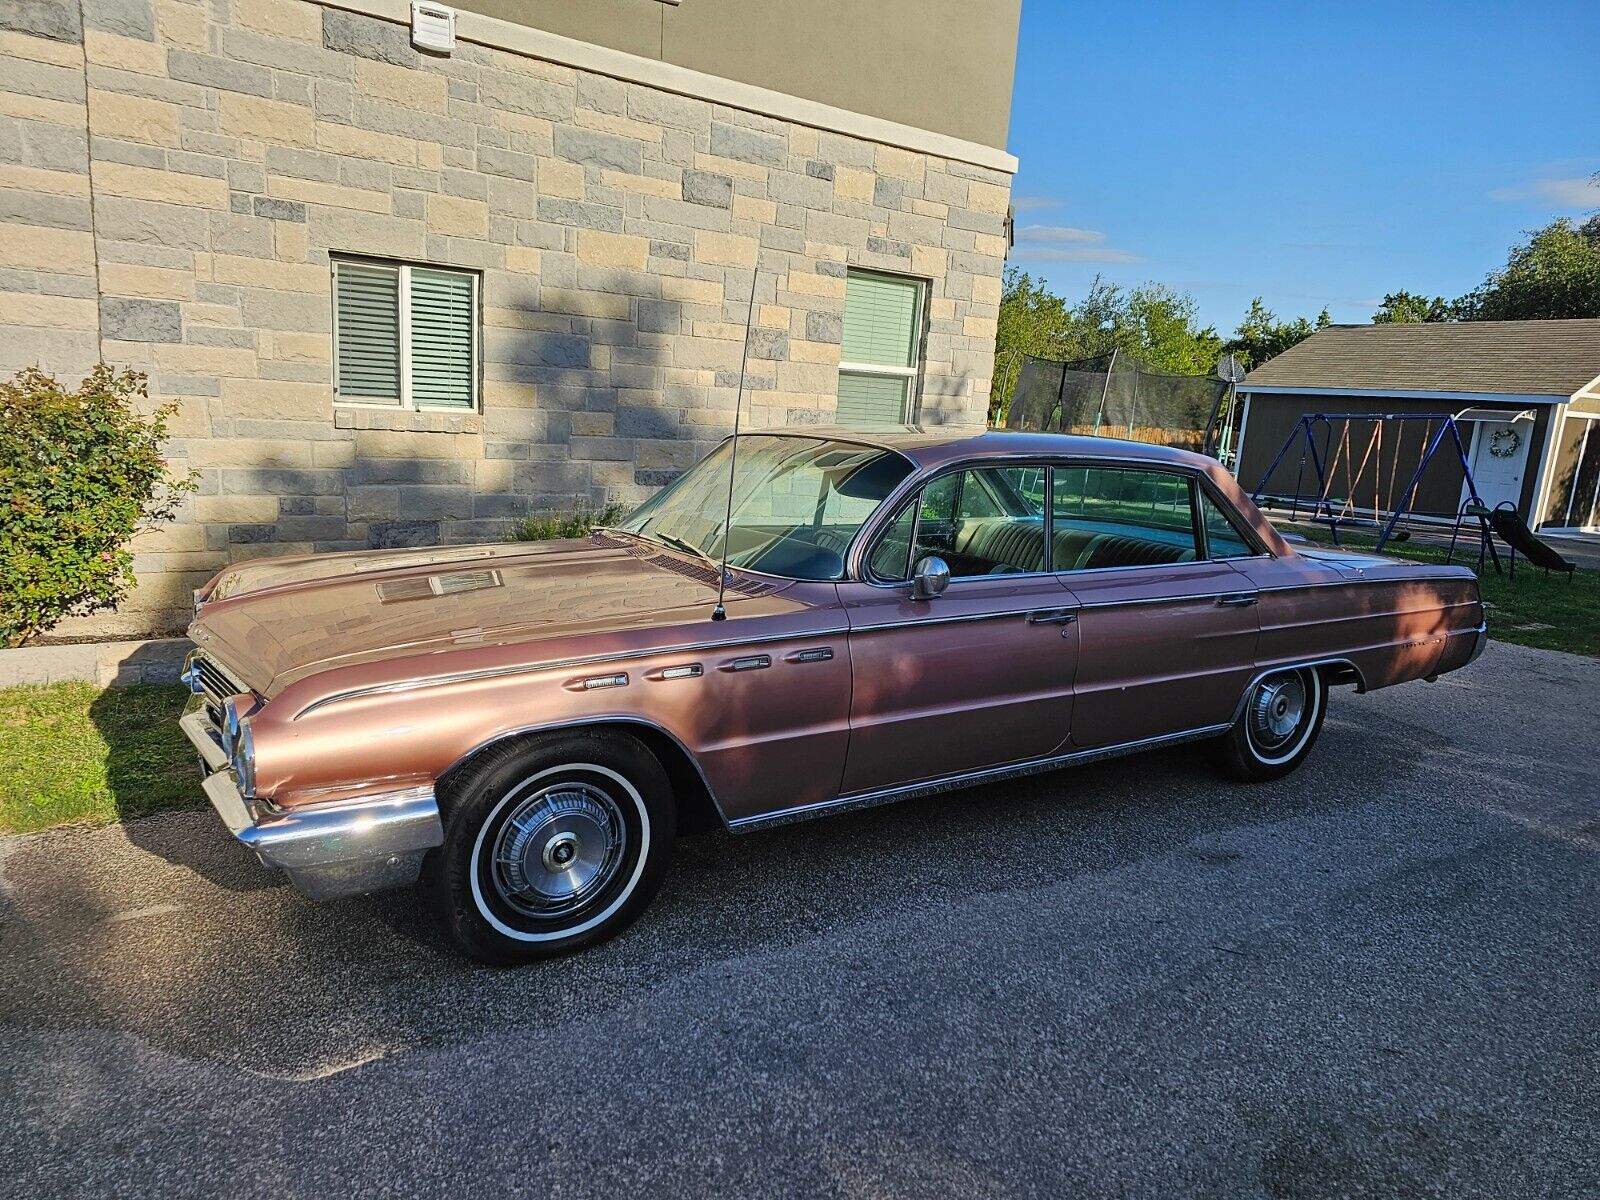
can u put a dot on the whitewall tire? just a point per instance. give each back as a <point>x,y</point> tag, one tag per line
<point>1278,725</point>
<point>551,844</point>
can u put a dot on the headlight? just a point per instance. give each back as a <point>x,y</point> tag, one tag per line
<point>191,672</point>
<point>243,758</point>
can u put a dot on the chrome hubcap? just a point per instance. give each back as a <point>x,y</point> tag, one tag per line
<point>558,849</point>
<point>1276,709</point>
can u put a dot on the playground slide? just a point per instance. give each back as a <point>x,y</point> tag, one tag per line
<point>1511,529</point>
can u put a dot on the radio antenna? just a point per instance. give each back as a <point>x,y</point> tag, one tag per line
<point>720,612</point>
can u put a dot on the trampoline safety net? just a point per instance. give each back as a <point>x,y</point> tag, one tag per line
<point>1115,395</point>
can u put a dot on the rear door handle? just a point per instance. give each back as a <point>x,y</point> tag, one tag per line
<point>1236,601</point>
<point>1053,616</point>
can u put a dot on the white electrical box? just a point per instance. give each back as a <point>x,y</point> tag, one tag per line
<point>433,27</point>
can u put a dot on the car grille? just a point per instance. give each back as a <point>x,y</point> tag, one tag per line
<point>216,685</point>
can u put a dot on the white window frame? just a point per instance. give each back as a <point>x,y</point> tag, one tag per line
<point>404,402</point>
<point>913,372</point>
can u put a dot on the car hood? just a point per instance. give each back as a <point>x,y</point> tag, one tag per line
<point>274,622</point>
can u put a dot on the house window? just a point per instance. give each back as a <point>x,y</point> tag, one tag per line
<point>405,336</point>
<point>882,334</point>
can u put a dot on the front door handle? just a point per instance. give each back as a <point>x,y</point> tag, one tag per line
<point>1053,616</point>
<point>1236,601</point>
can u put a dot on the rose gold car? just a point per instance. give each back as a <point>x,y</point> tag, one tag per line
<point>526,726</point>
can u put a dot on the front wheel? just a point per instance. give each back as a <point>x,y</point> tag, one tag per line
<point>1281,719</point>
<point>551,845</point>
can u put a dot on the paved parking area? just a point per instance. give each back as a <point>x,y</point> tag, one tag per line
<point>1376,978</point>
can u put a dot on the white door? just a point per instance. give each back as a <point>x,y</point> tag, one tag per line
<point>1499,457</point>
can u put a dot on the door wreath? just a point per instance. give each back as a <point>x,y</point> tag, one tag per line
<point>1504,443</point>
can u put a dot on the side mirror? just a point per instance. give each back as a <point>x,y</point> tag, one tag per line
<point>931,577</point>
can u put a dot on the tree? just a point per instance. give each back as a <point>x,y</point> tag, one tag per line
<point>1262,335</point>
<point>1555,273</point>
<point>1152,321</point>
<point>1413,308</point>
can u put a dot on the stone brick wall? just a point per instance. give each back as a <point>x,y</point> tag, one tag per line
<point>175,175</point>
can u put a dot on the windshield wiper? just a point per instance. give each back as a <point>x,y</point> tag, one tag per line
<point>677,543</point>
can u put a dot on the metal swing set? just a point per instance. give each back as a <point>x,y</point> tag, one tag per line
<point>1324,461</point>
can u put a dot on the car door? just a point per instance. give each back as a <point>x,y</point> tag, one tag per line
<point>1168,631</point>
<point>977,677</point>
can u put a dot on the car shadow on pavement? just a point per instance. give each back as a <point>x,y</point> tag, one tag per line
<point>370,975</point>
<point>150,767</point>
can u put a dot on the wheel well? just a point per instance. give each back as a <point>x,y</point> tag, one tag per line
<point>697,811</point>
<point>1338,674</point>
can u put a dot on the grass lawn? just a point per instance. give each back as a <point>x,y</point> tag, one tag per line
<point>1533,609</point>
<point>74,752</point>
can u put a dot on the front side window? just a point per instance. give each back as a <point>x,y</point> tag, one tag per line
<point>882,335</point>
<point>798,503</point>
<point>980,521</point>
<point>405,336</point>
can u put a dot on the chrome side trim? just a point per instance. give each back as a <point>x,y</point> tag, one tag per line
<point>562,664</point>
<point>950,783</point>
<point>921,622</point>
<point>1200,598</point>
<point>1143,601</point>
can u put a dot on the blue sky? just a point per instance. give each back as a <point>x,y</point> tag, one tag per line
<point>1308,153</point>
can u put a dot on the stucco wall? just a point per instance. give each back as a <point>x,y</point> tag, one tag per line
<point>174,176</point>
<point>897,59</point>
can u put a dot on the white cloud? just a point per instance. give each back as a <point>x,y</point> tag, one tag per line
<point>1571,193</point>
<point>1034,203</point>
<point>1052,234</point>
<point>1079,254</point>
<point>1581,193</point>
<point>1066,243</point>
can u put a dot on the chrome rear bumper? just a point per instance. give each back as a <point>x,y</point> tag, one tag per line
<point>327,850</point>
<point>1477,646</point>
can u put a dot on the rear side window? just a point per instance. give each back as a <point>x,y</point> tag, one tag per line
<point>1121,517</point>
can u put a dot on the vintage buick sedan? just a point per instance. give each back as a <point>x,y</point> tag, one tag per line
<point>524,727</point>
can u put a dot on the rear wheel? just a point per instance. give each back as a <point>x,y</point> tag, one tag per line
<point>552,845</point>
<point>1281,720</point>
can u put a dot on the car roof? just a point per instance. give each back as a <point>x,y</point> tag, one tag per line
<point>934,445</point>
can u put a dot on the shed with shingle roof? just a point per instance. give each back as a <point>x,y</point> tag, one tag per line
<point>1526,395</point>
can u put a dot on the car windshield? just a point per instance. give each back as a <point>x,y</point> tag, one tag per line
<point>798,502</point>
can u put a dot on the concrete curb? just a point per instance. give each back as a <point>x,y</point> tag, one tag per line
<point>108,664</point>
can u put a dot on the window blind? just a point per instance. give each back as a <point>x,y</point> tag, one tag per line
<point>871,399</point>
<point>368,306</point>
<point>441,339</point>
<point>879,320</point>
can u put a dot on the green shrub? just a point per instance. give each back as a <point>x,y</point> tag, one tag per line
<point>80,473</point>
<point>576,522</point>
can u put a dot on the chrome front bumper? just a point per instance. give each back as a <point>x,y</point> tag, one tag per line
<point>327,850</point>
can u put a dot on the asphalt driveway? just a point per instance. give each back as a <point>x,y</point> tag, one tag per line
<point>1380,977</point>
